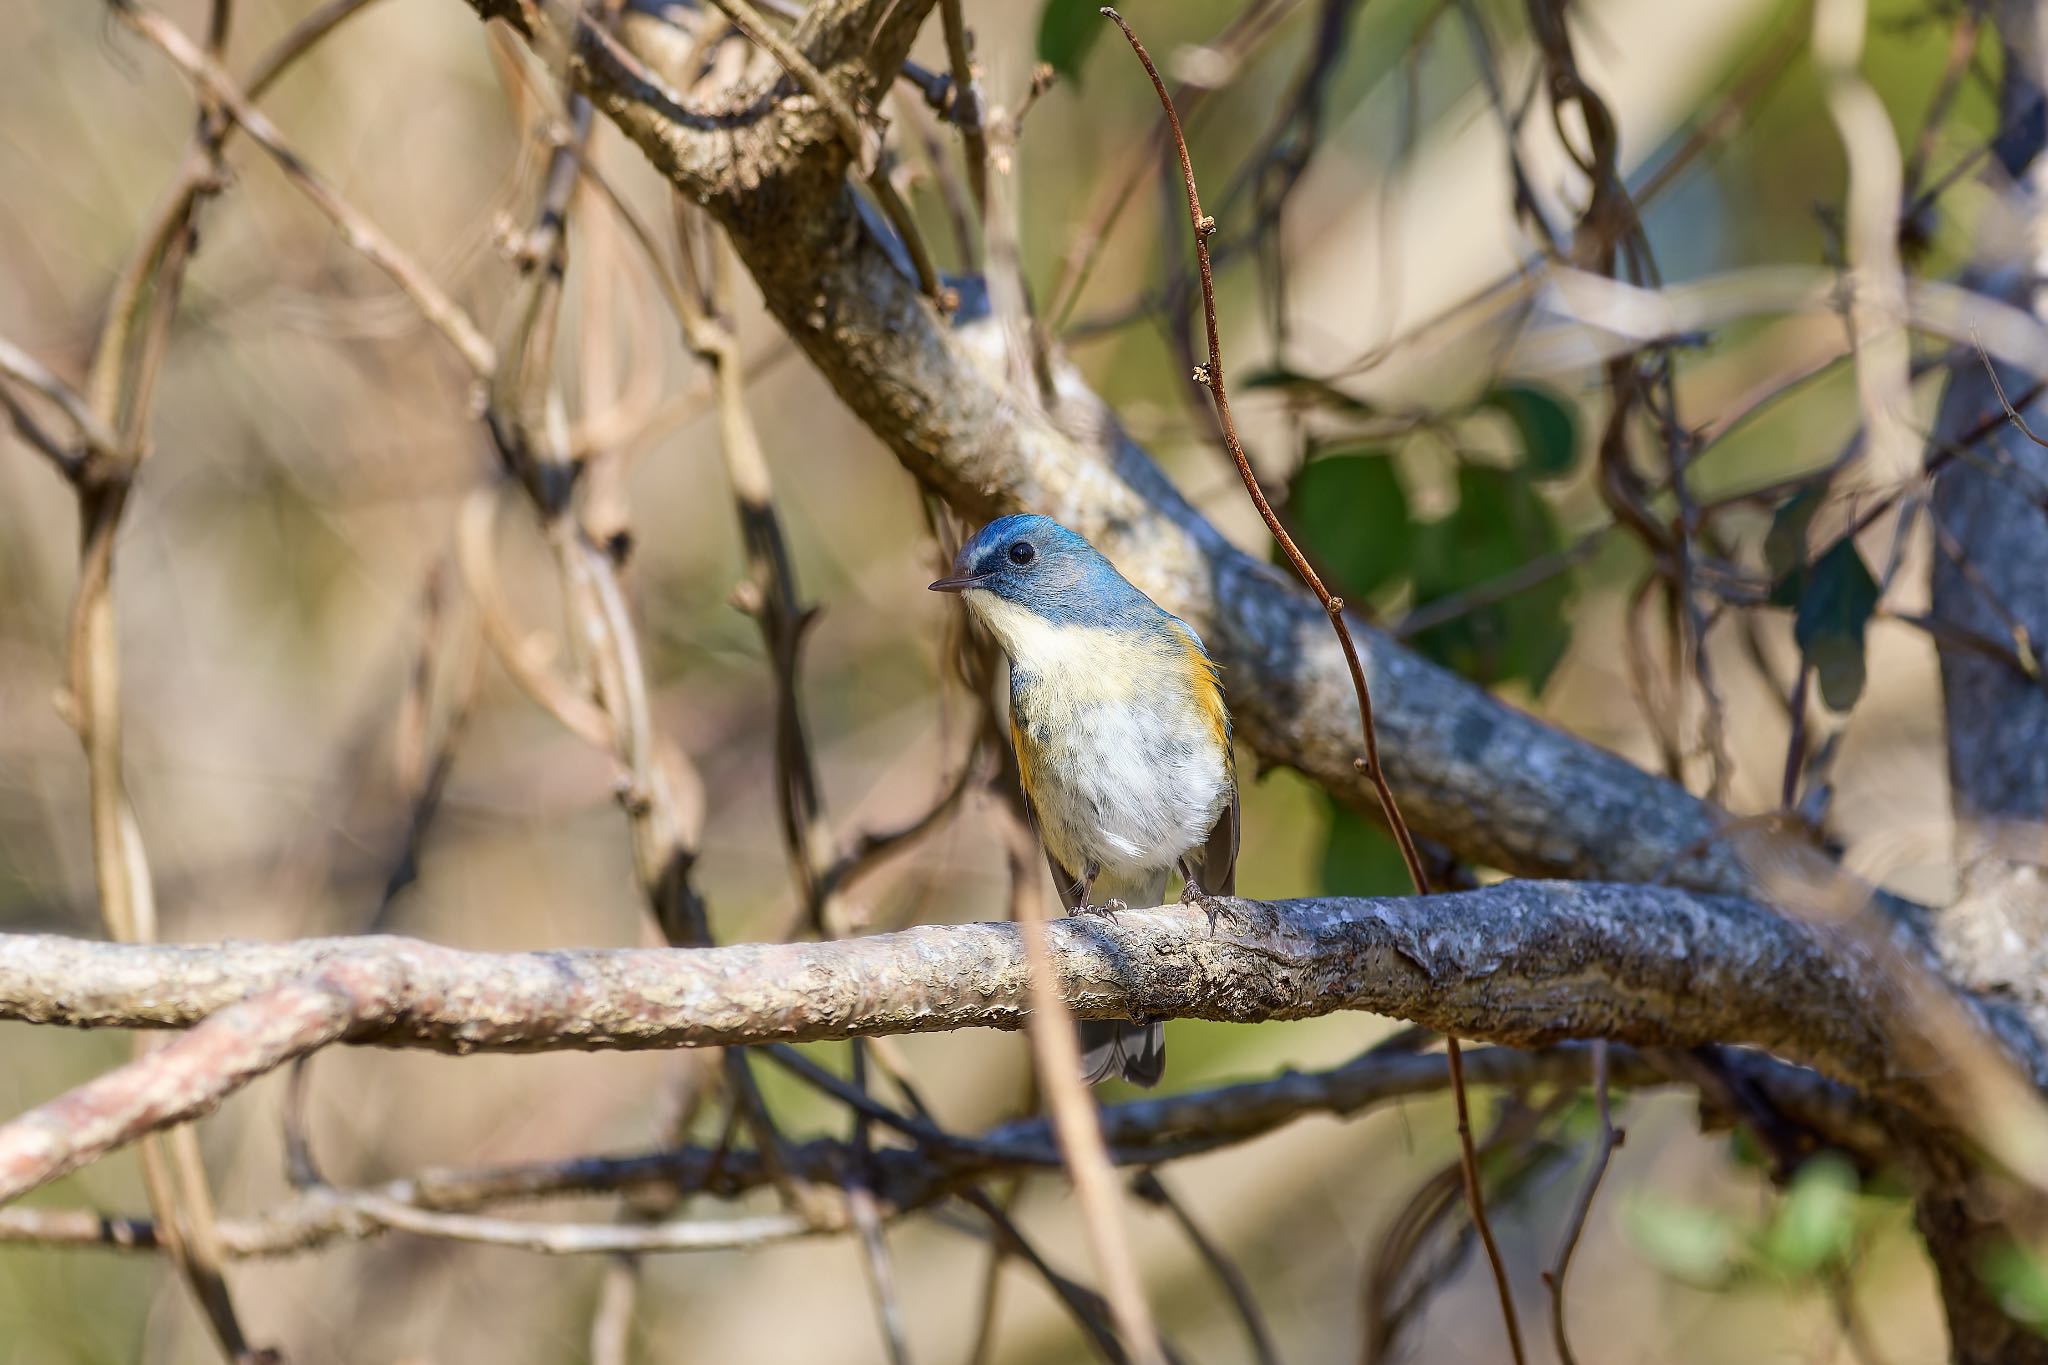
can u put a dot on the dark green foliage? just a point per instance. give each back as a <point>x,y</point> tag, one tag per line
<point>1832,599</point>
<point>1501,523</point>
<point>1350,514</point>
<point>1307,387</point>
<point>1785,542</point>
<point>1543,422</point>
<point>1359,857</point>
<point>1067,29</point>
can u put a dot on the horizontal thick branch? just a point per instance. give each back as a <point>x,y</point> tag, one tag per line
<point>1521,962</point>
<point>1525,963</point>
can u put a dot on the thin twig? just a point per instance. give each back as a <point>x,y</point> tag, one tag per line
<point>990,1297</point>
<point>439,309</point>
<point>867,1220</point>
<point>611,1323</point>
<point>520,654</point>
<point>1056,1052</point>
<point>1610,1138</point>
<point>1211,375</point>
<point>1087,1308</point>
<point>770,594</point>
<point>965,111</point>
<point>93,434</point>
<point>1149,1187</point>
<point>860,140</point>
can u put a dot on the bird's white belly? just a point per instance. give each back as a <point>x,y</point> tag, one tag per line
<point>1128,786</point>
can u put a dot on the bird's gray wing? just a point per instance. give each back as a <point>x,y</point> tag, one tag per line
<point>1219,854</point>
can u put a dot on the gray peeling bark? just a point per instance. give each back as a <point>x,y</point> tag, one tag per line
<point>1524,963</point>
<point>1494,784</point>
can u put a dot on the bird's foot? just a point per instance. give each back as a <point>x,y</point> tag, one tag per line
<point>1212,906</point>
<point>1105,909</point>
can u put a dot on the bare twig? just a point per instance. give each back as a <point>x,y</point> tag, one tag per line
<point>966,110</point>
<point>770,594</point>
<point>867,1219</point>
<point>1086,1307</point>
<point>1210,374</point>
<point>1876,306</point>
<point>611,1323</point>
<point>205,73</point>
<point>93,435</point>
<point>1603,1152</point>
<point>1057,1054</point>
<point>1149,1187</point>
<point>519,653</point>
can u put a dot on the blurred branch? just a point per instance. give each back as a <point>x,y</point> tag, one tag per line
<point>965,111</point>
<point>92,436</point>
<point>519,653</point>
<point>1076,1127</point>
<point>1145,1133</point>
<point>361,234</point>
<point>1521,962</point>
<point>770,593</point>
<point>1149,1187</point>
<point>1603,1152</point>
<point>1875,306</point>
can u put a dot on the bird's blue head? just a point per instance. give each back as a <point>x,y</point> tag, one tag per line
<point>1035,563</point>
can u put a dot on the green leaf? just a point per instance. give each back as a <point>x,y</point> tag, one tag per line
<point>1349,513</point>
<point>1501,524</point>
<point>1835,604</point>
<point>1785,545</point>
<point>1306,386</point>
<point>2019,1276</point>
<point>1067,29</point>
<point>1815,1224</point>
<point>1544,422</point>
<point>1693,1244</point>
<point>1359,857</point>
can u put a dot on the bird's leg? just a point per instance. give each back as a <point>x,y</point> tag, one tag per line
<point>1191,893</point>
<point>1087,905</point>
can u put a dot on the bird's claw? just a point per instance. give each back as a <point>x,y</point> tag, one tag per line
<point>1105,909</point>
<point>1212,906</point>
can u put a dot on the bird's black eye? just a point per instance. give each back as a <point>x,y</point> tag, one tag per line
<point>1022,553</point>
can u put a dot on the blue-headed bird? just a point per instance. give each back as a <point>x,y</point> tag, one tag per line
<point>1121,734</point>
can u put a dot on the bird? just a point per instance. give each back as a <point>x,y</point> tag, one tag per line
<point>1122,739</point>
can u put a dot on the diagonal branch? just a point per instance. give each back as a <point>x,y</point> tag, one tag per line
<point>1493,783</point>
<point>205,73</point>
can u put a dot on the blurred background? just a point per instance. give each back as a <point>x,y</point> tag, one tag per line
<point>284,572</point>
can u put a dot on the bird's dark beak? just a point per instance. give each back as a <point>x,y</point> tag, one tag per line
<point>960,584</point>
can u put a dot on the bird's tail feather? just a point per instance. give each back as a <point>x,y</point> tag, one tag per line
<point>1112,1049</point>
<point>1119,1049</point>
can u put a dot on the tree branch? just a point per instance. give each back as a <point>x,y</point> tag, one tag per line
<point>1525,963</point>
<point>1145,1132</point>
